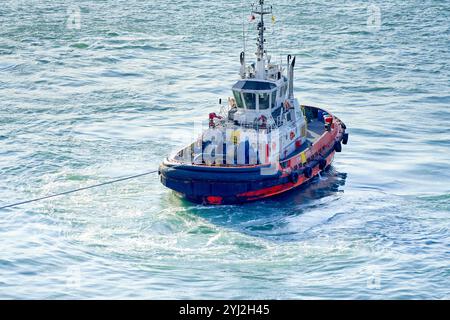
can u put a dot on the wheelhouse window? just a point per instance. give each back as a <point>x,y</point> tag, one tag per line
<point>274,99</point>
<point>250,100</point>
<point>238,98</point>
<point>264,101</point>
<point>283,91</point>
<point>288,116</point>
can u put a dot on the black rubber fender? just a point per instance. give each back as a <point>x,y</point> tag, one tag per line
<point>294,177</point>
<point>307,172</point>
<point>338,146</point>
<point>345,138</point>
<point>322,164</point>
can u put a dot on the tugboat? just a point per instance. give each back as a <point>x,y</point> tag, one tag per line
<point>263,143</point>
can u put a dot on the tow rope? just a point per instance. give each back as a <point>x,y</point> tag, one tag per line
<point>78,190</point>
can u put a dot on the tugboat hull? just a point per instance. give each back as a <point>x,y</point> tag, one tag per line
<point>198,187</point>
<point>216,185</point>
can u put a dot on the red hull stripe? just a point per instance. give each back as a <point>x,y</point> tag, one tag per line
<point>268,192</point>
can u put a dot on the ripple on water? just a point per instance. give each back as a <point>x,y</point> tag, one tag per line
<point>115,97</point>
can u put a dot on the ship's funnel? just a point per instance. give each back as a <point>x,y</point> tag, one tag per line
<point>291,79</point>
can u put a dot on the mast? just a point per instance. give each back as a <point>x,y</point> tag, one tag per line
<point>261,52</point>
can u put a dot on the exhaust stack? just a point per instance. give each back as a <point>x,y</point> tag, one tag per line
<point>242,71</point>
<point>291,79</point>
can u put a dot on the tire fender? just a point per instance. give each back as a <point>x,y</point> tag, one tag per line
<point>307,172</point>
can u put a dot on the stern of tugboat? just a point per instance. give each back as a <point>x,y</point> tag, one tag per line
<point>225,184</point>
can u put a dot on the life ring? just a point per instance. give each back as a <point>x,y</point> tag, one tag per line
<point>292,135</point>
<point>307,172</point>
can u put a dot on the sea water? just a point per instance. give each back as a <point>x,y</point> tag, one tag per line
<point>92,90</point>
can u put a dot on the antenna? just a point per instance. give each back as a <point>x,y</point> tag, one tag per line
<point>243,25</point>
<point>261,52</point>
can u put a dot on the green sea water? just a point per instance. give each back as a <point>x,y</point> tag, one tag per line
<point>92,90</point>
